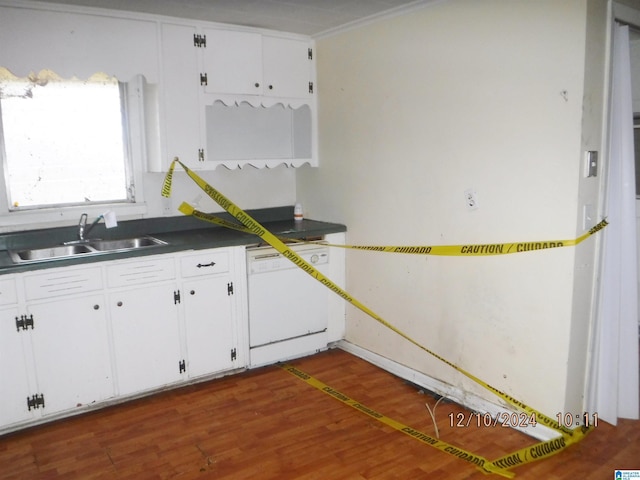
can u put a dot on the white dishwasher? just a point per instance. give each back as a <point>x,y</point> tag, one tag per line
<point>288,309</point>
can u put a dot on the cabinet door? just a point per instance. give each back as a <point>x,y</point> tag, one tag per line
<point>8,294</point>
<point>14,370</point>
<point>209,325</point>
<point>233,62</point>
<point>146,337</point>
<point>71,352</point>
<point>180,95</point>
<point>287,67</point>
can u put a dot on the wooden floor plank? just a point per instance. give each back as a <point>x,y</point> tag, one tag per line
<point>267,424</point>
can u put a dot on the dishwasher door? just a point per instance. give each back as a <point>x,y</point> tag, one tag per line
<point>288,309</point>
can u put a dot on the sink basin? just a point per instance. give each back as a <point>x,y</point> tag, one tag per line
<point>125,243</point>
<point>47,253</point>
<point>83,248</point>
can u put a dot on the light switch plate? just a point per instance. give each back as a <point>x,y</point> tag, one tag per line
<point>591,166</point>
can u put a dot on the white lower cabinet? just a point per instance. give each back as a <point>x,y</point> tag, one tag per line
<point>146,338</point>
<point>78,336</point>
<point>14,386</point>
<point>70,345</point>
<point>14,371</point>
<point>54,345</point>
<point>143,307</point>
<point>211,290</point>
<point>209,327</point>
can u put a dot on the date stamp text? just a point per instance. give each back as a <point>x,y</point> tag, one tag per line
<point>503,419</point>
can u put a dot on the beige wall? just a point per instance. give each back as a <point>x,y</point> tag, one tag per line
<point>416,109</point>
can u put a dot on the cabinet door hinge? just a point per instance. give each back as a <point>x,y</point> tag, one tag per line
<point>201,154</point>
<point>176,297</point>
<point>24,322</point>
<point>233,354</point>
<point>311,54</point>
<point>182,366</point>
<point>35,401</point>
<point>310,87</point>
<point>199,41</point>
<point>230,288</point>
<point>203,79</point>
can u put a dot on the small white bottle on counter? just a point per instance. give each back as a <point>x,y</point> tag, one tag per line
<point>297,212</point>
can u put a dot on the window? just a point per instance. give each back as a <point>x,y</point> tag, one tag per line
<point>64,141</point>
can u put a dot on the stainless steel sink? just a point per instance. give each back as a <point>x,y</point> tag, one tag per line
<point>83,248</point>
<point>48,253</point>
<point>125,243</point>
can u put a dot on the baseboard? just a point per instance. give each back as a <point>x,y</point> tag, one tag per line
<point>469,400</point>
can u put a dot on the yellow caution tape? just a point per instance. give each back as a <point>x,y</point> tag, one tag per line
<point>252,226</point>
<point>536,452</point>
<point>500,466</point>
<point>485,465</point>
<point>189,210</point>
<point>480,249</point>
<point>448,250</point>
<point>442,250</point>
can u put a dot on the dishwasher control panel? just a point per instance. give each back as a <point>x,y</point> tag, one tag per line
<point>267,259</point>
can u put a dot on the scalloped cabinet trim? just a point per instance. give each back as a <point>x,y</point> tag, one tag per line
<point>256,101</point>
<point>264,163</point>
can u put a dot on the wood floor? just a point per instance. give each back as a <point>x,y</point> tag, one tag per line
<point>267,424</point>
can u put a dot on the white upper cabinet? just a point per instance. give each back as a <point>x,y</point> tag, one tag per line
<point>236,97</point>
<point>232,62</point>
<point>246,63</point>
<point>287,67</point>
<point>180,104</point>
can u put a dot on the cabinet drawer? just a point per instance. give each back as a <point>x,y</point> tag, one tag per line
<point>8,291</point>
<point>144,271</point>
<point>205,263</point>
<point>62,281</point>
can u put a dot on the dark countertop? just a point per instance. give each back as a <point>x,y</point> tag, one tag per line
<point>180,233</point>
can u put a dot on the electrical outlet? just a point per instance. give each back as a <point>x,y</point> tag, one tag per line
<point>167,206</point>
<point>471,199</point>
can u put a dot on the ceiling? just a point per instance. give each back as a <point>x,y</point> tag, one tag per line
<point>309,17</point>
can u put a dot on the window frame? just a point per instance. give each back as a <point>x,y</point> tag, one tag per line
<point>134,138</point>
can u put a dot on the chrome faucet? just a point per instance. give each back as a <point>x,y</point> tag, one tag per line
<point>82,226</point>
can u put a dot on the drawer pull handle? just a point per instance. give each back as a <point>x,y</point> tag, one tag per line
<point>200,265</point>
<point>119,304</point>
